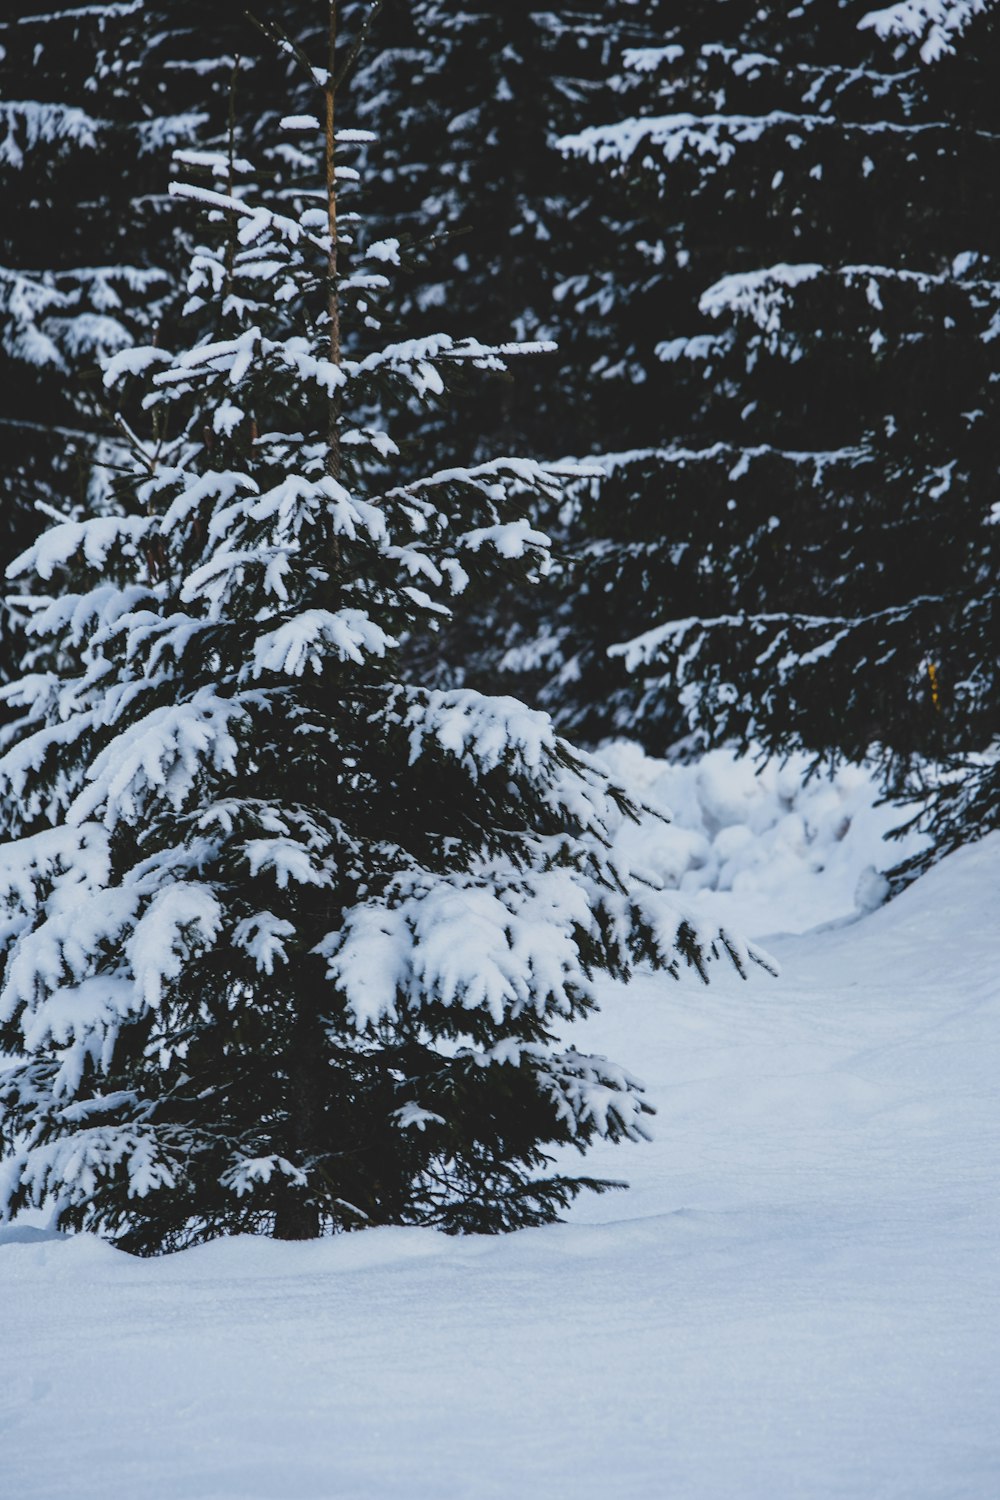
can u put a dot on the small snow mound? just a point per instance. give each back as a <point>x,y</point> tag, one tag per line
<point>28,1234</point>
<point>872,890</point>
<point>769,847</point>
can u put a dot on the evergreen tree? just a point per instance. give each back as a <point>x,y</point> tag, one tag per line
<point>505,229</point>
<point>291,937</point>
<point>804,557</point>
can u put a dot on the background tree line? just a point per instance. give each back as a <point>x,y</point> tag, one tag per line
<point>764,240</point>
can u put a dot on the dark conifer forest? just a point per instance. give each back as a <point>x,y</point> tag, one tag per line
<point>499,749</point>
<point>399,401</point>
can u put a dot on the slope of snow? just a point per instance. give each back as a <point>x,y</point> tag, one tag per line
<point>798,1298</point>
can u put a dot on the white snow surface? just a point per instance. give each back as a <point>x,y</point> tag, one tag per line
<point>760,844</point>
<point>797,1298</point>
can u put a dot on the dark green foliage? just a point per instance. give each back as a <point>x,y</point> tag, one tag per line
<point>292,938</point>
<point>801,549</point>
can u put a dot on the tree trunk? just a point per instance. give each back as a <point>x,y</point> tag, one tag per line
<point>296,1220</point>
<point>296,1216</point>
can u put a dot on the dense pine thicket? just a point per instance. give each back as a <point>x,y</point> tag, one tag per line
<point>466,102</point>
<point>93,99</point>
<point>808,559</point>
<point>756,434</point>
<point>68,273</point>
<point>506,81</point>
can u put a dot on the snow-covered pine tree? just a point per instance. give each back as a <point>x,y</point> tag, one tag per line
<point>507,222</point>
<point>809,541</point>
<point>291,938</point>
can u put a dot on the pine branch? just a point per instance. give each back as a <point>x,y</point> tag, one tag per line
<point>358,44</point>
<point>284,43</point>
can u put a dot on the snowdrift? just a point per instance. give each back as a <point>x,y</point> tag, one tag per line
<point>797,1297</point>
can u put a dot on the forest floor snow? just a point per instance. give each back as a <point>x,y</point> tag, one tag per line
<point>798,1298</point>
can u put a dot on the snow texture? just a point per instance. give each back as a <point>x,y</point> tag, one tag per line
<point>760,841</point>
<point>798,1296</point>
<point>711,140</point>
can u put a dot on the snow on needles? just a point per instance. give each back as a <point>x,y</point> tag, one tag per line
<point>935,24</point>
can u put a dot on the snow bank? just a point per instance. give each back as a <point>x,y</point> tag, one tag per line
<point>777,851</point>
<point>798,1297</point>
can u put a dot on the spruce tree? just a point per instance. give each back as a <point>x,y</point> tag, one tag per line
<point>504,222</point>
<point>291,938</point>
<point>801,555</point>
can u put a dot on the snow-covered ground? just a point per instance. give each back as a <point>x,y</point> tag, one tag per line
<point>799,1298</point>
<point>759,843</point>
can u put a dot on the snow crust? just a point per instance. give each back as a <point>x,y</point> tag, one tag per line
<point>798,1296</point>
